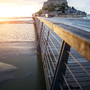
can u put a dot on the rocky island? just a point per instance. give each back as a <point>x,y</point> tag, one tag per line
<point>58,8</point>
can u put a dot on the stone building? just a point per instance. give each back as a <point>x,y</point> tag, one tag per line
<point>54,2</point>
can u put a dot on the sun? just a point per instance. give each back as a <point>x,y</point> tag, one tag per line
<point>6,11</point>
<point>15,11</point>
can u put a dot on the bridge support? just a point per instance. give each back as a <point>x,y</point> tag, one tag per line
<point>40,35</point>
<point>61,68</point>
<point>55,62</point>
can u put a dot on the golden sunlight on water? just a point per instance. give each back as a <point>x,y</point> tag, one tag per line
<point>20,63</point>
<point>17,32</point>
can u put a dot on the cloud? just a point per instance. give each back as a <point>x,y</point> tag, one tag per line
<point>19,7</point>
<point>28,5</point>
<point>21,2</point>
<point>83,5</point>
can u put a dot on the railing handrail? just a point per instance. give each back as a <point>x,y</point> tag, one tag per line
<point>76,39</point>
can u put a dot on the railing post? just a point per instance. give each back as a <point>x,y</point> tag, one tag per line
<point>60,68</point>
<point>39,40</point>
<point>37,25</point>
<point>44,61</point>
<point>46,42</point>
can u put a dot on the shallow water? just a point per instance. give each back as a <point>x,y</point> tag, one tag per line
<point>29,75</point>
<point>18,47</point>
<point>17,32</point>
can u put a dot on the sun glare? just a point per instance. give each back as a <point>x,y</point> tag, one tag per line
<point>11,8</point>
<point>15,11</point>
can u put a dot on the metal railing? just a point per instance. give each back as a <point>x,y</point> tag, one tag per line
<point>64,67</point>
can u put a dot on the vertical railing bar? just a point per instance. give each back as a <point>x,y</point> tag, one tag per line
<point>52,52</point>
<point>44,59</point>
<point>51,60</point>
<point>42,36</point>
<point>46,45</point>
<point>60,68</point>
<point>48,86</point>
<point>44,39</point>
<point>61,49</point>
<point>46,49</point>
<point>47,28</point>
<point>38,27</point>
<point>45,66</point>
<point>46,32</point>
<point>39,42</point>
<point>47,56</point>
<point>47,71</point>
<point>49,63</point>
<point>54,45</point>
<point>49,68</point>
<point>47,41</point>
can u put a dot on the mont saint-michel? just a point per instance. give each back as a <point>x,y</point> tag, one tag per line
<point>54,2</point>
<point>57,8</point>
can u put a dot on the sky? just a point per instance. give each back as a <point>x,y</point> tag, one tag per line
<point>21,8</point>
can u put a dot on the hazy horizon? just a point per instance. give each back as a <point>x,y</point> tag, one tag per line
<point>25,8</point>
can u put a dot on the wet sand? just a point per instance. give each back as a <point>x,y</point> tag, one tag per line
<point>20,62</point>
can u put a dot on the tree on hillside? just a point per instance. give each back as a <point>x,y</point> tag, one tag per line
<point>51,9</point>
<point>45,8</point>
<point>73,8</point>
<point>39,12</point>
<point>64,4</point>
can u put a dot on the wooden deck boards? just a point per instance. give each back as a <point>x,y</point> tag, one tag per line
<point>82,77</point>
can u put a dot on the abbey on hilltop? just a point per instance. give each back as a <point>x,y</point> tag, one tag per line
<point>54,2</point>
<point>57,8</point>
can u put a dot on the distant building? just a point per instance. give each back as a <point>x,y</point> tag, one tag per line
<point>59,7</point>
<point>54,2</point>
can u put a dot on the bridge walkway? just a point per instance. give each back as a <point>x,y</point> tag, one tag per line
<point>77,73</point>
